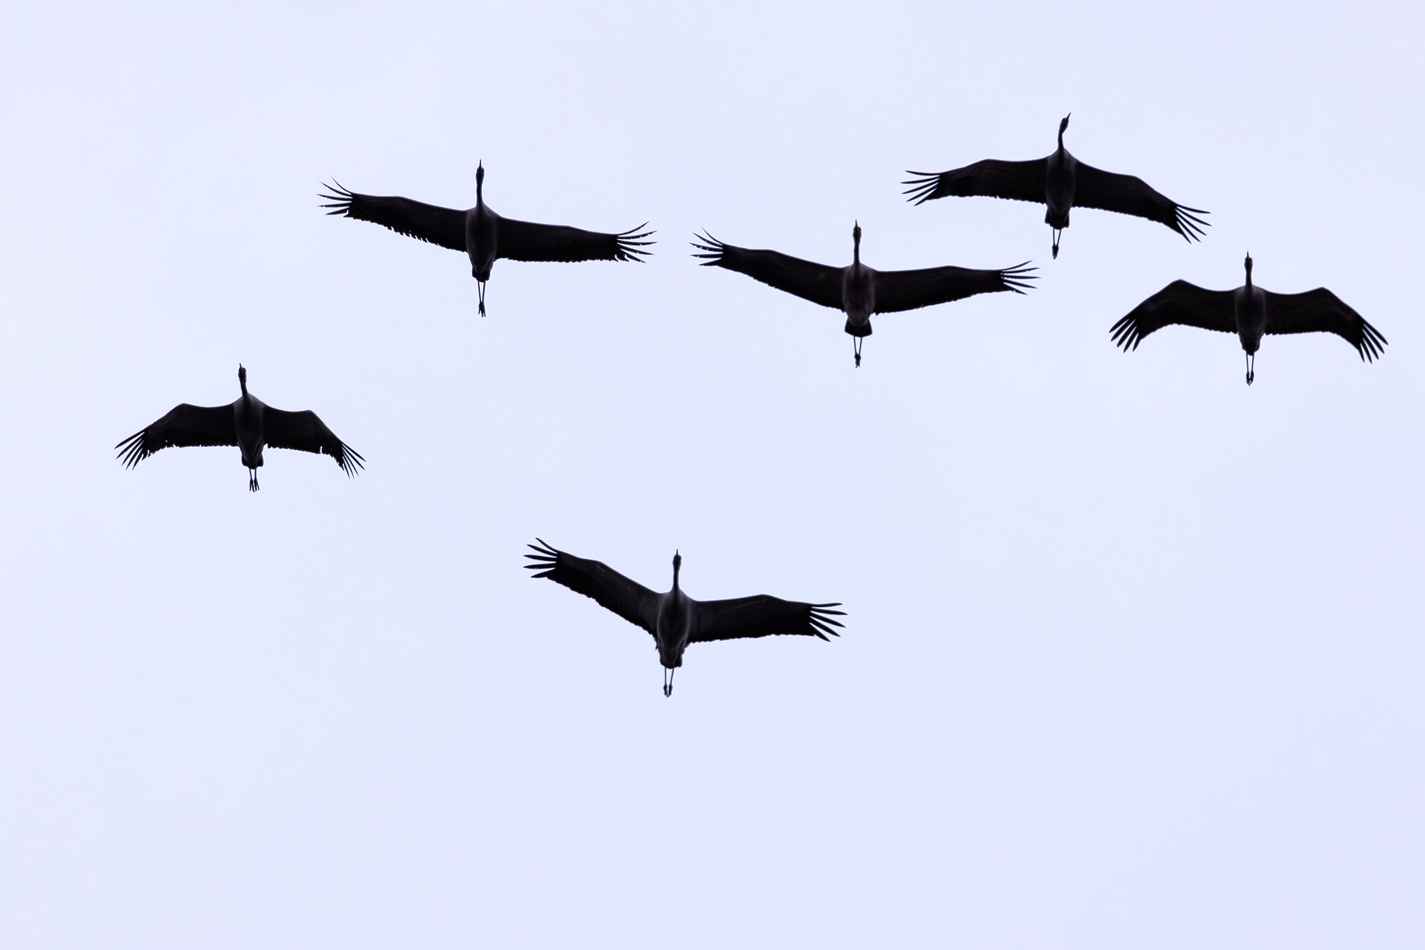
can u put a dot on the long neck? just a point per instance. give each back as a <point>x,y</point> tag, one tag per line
<point>856,251</point>
<point>1249,278</point>
<point>242,381</point>
<point>675,576</point>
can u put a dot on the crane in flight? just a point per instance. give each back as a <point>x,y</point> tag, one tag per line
<point>1062,182</point>
<point>1249,311</point>
<point>675,619</point>
<point>484,235</point>
<point>248,424</point>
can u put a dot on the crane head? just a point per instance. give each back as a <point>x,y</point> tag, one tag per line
<point>1064,124</point>
<point>856,232</point>
<point>479,176</point>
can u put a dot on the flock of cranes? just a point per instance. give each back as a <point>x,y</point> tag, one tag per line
<point>1059,181</point>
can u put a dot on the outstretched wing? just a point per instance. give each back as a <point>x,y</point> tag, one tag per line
<point>909,289</point>
<point>1095,188</point>
<point>525,241</point>
<point>763,616</point>
<point>304,432</point>
<point>629,599</point>
<point>443,226</point>
<point>185,425</point>
<point>815,282</point>
<point>1017,181</point>
<point>1180,302</point>
<point>1321,311</point>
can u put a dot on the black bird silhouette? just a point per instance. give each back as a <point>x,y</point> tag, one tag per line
<point>1062,182</point>
<point>247,423</point>
<point>674,618</point>
<point>484,235</point>
<point>859,290</point>
<point>1249,311</point>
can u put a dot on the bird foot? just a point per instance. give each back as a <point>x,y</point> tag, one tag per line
<point>1250,377</point>
<point>858,360</point>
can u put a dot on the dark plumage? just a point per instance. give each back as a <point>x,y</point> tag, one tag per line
<point>1249,311</point>
<point>675,619</point>
<point>858,290</point>
<point>247,423</point>
<point>1062,182</point>
<point>484,235</point>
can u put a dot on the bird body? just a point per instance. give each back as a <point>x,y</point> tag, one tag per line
<point>485,236</point>
<point>1062,182</point>
<point>673,618</point>
<point>1060,175</point>
<point>247,423</point>
<point>857,290</point>
<point>481,232</point>
<point>676,621</point>
<point>1250,312</point>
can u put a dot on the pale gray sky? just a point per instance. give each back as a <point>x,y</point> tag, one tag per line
<point>1134,652</point>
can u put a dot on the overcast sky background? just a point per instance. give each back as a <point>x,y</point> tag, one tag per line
<point>1134,652</point>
